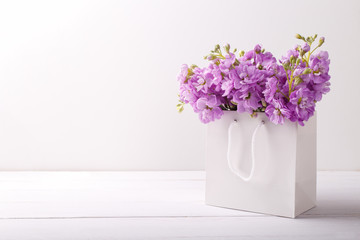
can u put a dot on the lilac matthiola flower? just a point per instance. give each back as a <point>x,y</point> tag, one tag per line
<point>183,73</point>
<point>320,62</point>
<point>271,89</point>
<point>234,78</point>
<point>303,105</point>
<point>216,72</point>
<point>208,115</point>
<point>319,79</point>
<point>256,82</point>
<point>248,87</point>
<point>208,108</point>
<point>320,90</point>
<point>259,59</point>
<point>292,52</point>
<point>277,112</point>
<point>229,60</point>
<point>227,86</point>
<point>247,101</point>
<point>248,55</point>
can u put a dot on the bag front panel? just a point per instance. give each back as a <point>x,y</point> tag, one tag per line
<point>272,187</point>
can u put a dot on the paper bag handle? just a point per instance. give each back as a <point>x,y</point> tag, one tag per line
<point>230,132</point>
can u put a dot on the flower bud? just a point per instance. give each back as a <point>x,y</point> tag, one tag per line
<point>286,65</point>
<point>190,72</point>
<point>321,41</point>
<point>298,61</point>
<point>217,48</point>
<point>257,49</point>
<point>227,48</point>
<point>307,71</point>
<point>263,102</point>
<point>305,47</point>
<point>180,107</point>
<point>301,53</point>
<point>298,36</point>
<point>291,58</point>
<point>298,80</point>
<point>211,57</point>
<point>242,53</point>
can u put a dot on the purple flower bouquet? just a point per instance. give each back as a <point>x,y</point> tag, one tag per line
<point>255,81</point>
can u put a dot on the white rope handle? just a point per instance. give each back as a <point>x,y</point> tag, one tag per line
<point>237,173</point>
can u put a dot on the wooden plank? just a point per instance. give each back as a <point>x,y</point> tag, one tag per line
<point>160,205</point>
<point>136,194</point>
<point>182,228</point>
<point>338,194</point>
<point>107,194</point>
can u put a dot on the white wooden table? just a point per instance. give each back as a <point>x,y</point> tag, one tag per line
<point>160,205</point>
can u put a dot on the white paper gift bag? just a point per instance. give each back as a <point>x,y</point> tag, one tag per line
<point>255,165</point>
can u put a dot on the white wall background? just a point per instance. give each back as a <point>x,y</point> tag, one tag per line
<point>91,85</point>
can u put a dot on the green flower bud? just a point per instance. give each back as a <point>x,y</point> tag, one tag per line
<point>180,106</point>
<point>211,57</point>
<point>301,52</point>
<point>298,61</point>
<point>298,80</point>
<point>241,53</point>
<point>180,109</point>
<point>190,72</point>
<point>321,41</point>
<point>286,66</point>
<point>227,48</point>
<point>217,48</point>
<point>298,36</point>
<point>291,58</point>
<point>263,102</point>
<point>254,114</point>
<point>307,71</point>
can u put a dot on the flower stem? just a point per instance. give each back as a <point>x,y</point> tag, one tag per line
<point>308,58</point>
<point>314,49</point>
